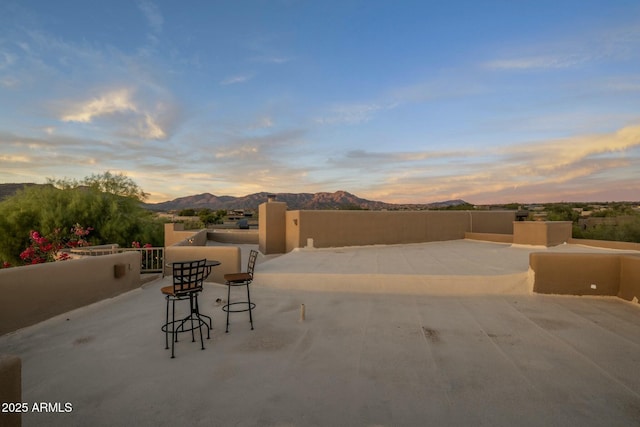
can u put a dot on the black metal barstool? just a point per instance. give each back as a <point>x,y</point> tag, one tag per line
<point>188,278</point>
<point>240,279</point>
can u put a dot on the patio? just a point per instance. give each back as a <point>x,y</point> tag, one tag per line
<point>358,357</point>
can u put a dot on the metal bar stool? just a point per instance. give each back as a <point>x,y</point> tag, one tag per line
<point>188,278</point>
<point>240,279</point>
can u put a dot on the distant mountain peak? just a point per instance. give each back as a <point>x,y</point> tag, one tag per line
<point>310,201</point>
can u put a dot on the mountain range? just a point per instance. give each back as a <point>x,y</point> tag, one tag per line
<point>294,201</point>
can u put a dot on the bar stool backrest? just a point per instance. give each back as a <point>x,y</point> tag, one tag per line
<point>253,255</point>
<point>188,276</point>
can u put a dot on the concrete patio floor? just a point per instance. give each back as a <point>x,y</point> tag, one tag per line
<point>380,358</point>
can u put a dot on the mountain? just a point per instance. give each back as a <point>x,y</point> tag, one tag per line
<point>8,190</point>
<point>309,201</point>
<point>294,201</point>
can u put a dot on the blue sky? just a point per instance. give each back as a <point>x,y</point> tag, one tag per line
<point>399,101</point>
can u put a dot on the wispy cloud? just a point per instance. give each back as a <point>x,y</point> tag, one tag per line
<point>152,14</point>
<point>242,78</point>
<point>537,62</point>
<point>351,113</point>
<point>619,44</point>
<point>114,104</point>
<point>574,167</point>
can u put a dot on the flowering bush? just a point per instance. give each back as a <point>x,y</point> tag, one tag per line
<point>137,245</point>
<point>47,248</point>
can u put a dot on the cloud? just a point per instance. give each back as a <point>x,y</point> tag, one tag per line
<point>537,62</point>
<point>109,103</point>
<point>236,79</point>
<point>618,44</point>
<point>152,15</point>
<point>119,106</point>
<point>349,114</point>
<point>576,168</point>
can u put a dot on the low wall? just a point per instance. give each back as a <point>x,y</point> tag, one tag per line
<point>490,237</point>
<point>607,244</point>
<point>238,237</point>
<point>33,293</point>
<point>10,389</point>
<point>542,233</point>
<point>356,228</point>
<point>586,274</point>
<point>174,233</point>
<point>229,257</point>
<point>629,278</point>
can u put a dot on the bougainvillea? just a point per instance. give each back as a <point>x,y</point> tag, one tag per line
<point>48,248</point>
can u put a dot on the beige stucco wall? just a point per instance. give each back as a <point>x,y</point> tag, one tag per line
<point>10,388</point>
<point>245,237</point>
<point>574,273</point>
<point>608,244</point>
<point>355,228</point>
<point>174,233</point>
<point>542,233</point>
<point>271,228</point>
<point>629,278</point>
<point>490,237</point>
<point>229,256</point>
<point>33,293</point>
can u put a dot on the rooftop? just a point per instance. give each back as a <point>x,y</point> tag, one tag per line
<point>384,342</point>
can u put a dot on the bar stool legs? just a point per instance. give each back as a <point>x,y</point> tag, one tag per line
<point>238,306</point>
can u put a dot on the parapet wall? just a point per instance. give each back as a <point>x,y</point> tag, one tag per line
<point>33,293</point>
<point>586,274</point>
<point>229,257</point>
<point>357,228</point>
<point>192,245</point>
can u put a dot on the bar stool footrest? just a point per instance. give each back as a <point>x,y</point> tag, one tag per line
<point>248,306</point>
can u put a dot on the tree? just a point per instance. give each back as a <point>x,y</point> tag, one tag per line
<point>108,203</point>
<point>117,185</point>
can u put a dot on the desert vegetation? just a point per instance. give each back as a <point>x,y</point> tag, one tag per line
<point>110,205</point>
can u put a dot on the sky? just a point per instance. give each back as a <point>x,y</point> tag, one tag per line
<point>398,101</point>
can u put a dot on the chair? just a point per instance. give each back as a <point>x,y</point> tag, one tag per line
<point>240,279</point>
<point>188,278</point>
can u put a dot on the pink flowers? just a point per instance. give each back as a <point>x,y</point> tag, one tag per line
<point>47,248</point>
<point>137,245</point>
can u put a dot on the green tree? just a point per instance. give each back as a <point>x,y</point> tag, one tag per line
<point>108,203</point>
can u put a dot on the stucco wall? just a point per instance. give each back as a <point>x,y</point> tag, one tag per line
<point>272,227</point>
<point>245,237</point>
<point>174,233</point>
<point>629,278</point>
<point>608,244</point>
<point>541,233</point>
<point>574,273</point>
<point>10,388</point>
<point>229,256</point>
<point>33,293</point>
<point>355,228</point>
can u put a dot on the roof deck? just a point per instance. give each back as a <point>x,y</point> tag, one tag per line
<point>392,354</point>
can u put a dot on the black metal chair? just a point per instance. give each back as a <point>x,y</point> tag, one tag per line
<point>188,278</point>
<point>240,279</point>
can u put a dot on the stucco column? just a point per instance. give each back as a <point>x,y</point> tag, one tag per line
<point>272,227</point>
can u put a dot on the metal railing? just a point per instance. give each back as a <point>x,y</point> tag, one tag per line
<point>152,259</point>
